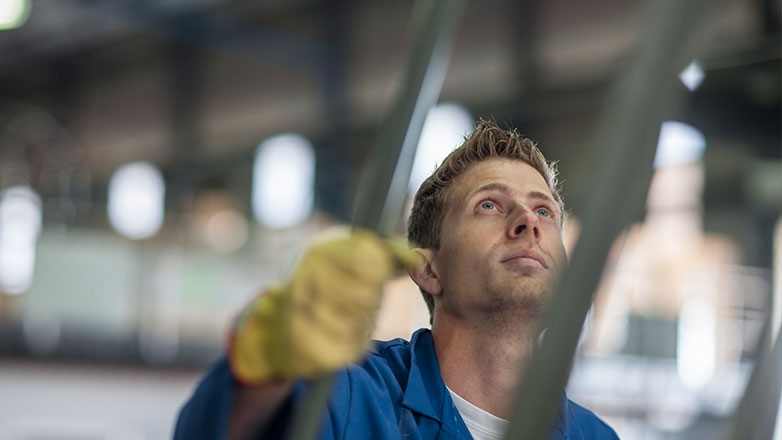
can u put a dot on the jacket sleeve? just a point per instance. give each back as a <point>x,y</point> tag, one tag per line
<point>208,411</point>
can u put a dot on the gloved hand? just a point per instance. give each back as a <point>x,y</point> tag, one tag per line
<point>321,319</point>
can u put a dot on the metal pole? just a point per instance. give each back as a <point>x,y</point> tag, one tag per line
<point>644,95</point>
<point>756,413</point>
<point>383,189</point>
<point>384,184</point>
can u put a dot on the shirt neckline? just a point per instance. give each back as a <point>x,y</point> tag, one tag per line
<point>481,423</point>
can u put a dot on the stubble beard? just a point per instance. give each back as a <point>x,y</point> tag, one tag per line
<point>517,301</point>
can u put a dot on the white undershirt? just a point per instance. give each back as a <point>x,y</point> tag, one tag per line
<point>481,424</point>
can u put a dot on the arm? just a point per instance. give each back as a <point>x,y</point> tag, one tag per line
<point>221,407</point>
<point>316,322</point>
<point>254,408</point>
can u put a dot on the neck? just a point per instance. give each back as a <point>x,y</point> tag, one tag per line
<point>482,363</point>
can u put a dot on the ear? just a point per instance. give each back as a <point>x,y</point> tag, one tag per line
<point>424,273</point>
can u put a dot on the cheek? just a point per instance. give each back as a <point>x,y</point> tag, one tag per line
<point>454,258</point>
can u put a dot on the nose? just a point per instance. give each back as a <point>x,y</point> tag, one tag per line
<point>526,225</point>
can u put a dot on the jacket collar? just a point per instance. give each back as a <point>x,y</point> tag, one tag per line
<point>425,391</point>
<point>426,394</point>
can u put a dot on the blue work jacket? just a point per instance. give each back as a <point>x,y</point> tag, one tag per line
<point>396,392</point>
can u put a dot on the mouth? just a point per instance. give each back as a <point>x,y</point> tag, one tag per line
<point>526,258</point>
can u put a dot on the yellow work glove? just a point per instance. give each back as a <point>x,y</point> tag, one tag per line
<point>322,318</point>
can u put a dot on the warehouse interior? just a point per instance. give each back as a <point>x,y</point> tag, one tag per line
<point>161,162</point>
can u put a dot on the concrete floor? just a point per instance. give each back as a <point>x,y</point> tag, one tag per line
<point>58,401</point>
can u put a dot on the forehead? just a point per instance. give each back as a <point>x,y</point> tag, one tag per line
<point>517,175</point>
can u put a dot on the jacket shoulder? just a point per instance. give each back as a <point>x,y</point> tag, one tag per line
<point>207,412</point>
<point>387,362</point>
<point>587,424</point>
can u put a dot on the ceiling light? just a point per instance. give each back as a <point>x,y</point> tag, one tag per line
<point>20,225</point>
<point>692,76</point>
<point>136,200</point>
<point>283,181</point>
<point>679,143</point>
<point>13,13</point>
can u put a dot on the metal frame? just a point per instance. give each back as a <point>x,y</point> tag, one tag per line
<point>434,24</point>
<point>646,93</point>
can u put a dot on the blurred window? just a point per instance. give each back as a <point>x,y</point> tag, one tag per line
<point>445,127</point>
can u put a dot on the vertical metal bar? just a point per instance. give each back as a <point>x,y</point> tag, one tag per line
<point>776,278</point>
<point>308,414</point>
<point>333,155</point>
<point>627,136</point>
<point>186,92</point>
<point>384,183</point>
<point>756,413</point>
<point>525,18</point>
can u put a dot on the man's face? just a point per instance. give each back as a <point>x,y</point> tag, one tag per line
<point>501,245</point>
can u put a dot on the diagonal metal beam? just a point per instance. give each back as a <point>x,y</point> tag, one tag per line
<point>383,187</point>
<point>646,93</point>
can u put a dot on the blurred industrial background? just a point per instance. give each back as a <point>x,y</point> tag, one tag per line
<point>161,161</point>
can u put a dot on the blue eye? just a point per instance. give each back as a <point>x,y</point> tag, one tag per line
<point>543,212</point>
<point>488,205</point>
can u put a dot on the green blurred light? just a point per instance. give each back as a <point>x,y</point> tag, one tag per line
<point>13,13</point>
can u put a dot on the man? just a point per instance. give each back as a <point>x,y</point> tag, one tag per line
<point>487,230</point>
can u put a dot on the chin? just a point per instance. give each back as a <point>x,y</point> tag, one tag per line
<point>527,301</point>
<point>530,304</point>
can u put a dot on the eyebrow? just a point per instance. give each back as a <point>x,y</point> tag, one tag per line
<point>493,186</point>
<point>542,196</point>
